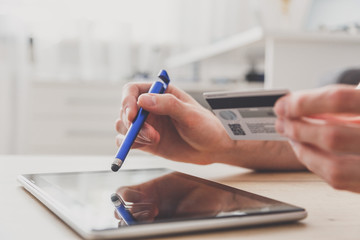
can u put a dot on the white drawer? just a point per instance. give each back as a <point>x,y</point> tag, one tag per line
<point>72,118</point>
<point>74,98</point>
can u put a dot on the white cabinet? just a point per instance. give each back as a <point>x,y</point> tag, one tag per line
<point>72,118</point>
<point>302,61</point>
<point>292,60</point>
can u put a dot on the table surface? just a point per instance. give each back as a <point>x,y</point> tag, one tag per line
<point>332,214</point>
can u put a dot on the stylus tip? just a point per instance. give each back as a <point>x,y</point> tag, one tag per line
<point>114,197</point>
<point>114,167</point>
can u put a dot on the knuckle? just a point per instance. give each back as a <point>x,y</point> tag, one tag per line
<point>128,86</point>
<point>126,99</point>
<point>121,112</point>
<point>192,122</point>
<point>117,124</point>
<point>172,103</point>
<point>172,100</point>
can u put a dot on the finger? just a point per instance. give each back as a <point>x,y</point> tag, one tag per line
<point>147,132</point>
<point>332,99</point>
<point>138,143</point>
<point>130,94</point>
<point>120,127</point>
<point>124,117</point>
<point>130,195</point>
<point>330,137</point>
<point>165,104</point>
<point>141,207</point>
<point>211,206</point>
<point>147,135</point>
<point>344,118</point>
<point>340,171</point>
<point>116,215</point>
<point>143,216</point>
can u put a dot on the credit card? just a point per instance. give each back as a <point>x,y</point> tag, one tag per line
<point>247,115</point>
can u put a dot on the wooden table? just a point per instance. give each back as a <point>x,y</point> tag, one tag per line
<point>332,214</point>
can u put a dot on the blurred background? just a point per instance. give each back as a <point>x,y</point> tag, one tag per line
<point>63,63</point>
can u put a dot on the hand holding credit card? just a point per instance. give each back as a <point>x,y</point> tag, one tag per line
<point>247,115</point>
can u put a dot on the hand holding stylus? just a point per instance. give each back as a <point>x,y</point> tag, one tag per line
<point>177,128</point>
<point>158,87</point>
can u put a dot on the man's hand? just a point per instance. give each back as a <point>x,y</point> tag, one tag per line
<point>177,127</point>
<point>324,129</point>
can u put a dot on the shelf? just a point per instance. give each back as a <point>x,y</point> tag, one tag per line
<point>253,36</point>
<point>200,87</point>
<point>243,39</point>
<point>314,36</point>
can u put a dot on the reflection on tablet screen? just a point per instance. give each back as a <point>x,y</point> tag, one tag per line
<point>150,196</point>
<point>176,196</point>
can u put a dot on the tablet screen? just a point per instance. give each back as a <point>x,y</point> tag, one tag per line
<point>150,196</point>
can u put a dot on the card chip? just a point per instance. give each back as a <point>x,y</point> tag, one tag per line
<point>236,129</point>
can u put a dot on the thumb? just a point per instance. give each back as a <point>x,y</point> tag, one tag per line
<point>163,104</point>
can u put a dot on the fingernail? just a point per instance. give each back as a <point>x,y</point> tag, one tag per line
<point>143,135</point>
<point>279,125</point>
<point>148,100</point>
<point>143,216</point>
<point>141,141</point>
<point>280,107</point>
<point>127,110</point>
<point>294,147</point>
<point>124,119</point>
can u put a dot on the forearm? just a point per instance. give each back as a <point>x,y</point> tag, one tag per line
<point>260,155</point>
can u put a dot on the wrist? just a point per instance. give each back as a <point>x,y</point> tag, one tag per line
<point>226,152</point>
<point>258,155</point>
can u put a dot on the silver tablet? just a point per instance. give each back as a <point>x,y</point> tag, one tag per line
<point>157,201</point>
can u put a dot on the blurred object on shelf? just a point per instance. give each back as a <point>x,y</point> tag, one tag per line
<point>254,75</point>
<point>351,28</point>
<point>347,75</point>
<point>350,76</point>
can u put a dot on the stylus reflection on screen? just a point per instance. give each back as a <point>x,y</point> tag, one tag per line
<point>172,197</point>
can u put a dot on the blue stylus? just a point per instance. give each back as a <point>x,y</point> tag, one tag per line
<point>158,86</point>
<point>121,209</point>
